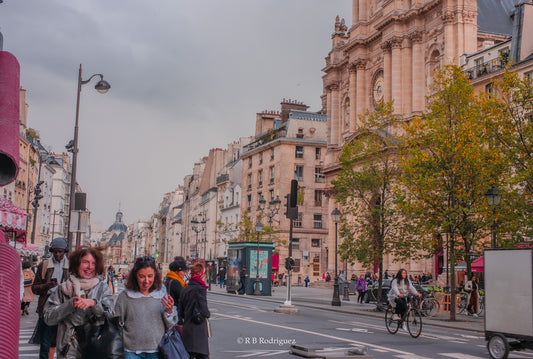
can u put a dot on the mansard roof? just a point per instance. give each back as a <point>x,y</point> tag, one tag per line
<point>494,16</point>
<point>310,116</point>
<point>116,240</point>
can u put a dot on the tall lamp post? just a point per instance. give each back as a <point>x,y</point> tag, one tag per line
<point>102,87</point>
<point>493,197</point>
<point>336,301</point>
<point>258,229</point>
<point>197,226</point>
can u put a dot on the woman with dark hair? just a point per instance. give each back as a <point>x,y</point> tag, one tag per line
<point>146,310</point>
<point>401,287</point>
<point>193,309</point>
<point>82,296</point>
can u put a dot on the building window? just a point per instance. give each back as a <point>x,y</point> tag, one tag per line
<point>272,172</point>
<point>250,163</point>
<point>299,152</point>
<point>489,89</point>
<point>299,173</point>
<point>249,181</point>
<point>318,154</point>
<point>317,221</point>
<point>272,154</point>
<point>296,243</point>
<point>261,158</point>
<point>300,133</point>
<point>270,194</point>
<point>260,178</point>
<point>298,222</point>
<point>318,198</point>
<point>315,242</point>
<point>319,177</point>
<point>249,202</point>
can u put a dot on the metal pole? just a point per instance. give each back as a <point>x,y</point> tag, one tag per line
<point>336,300</point>
<point>74,164</point>
<point>493,234</point>
<point>257,291</point>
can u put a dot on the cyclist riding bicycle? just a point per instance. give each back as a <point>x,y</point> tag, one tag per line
<point>401,287</point>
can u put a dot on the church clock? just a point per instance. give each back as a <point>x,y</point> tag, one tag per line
<point>378,88</point>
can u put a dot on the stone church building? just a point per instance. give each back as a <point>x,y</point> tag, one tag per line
<point>390,52</point>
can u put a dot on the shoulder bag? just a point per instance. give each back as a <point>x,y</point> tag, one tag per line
<point>171,346</point>
<point>101,341</point>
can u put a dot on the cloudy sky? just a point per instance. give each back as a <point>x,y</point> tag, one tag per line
<point>186,76</point>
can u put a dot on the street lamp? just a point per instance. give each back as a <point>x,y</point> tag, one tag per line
<point>258,229</point>
<point>273,208</point>
<point>493,197</point>
<point>54,221</point>
<point>336,216</point>
<point>102,87</point>
<point>197,227</point>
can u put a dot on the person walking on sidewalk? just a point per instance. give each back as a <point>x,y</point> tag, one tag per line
<point>111,278</point>
<point>50,273</point>
<point>194,311</point>
<point>361,288</point>
<point>28,295</point>
<point>80,299</point>
<point>472,288</point>
<point>242,280</point>
<point>175,282</point>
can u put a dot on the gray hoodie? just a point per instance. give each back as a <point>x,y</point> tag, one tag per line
<point>145,320</point>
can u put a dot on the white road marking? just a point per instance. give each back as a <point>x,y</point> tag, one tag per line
<point>411,356</point>
<point>460,356</point>
<point>320,335</point>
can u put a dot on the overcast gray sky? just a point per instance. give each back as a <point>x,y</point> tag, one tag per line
<point>186,76</point>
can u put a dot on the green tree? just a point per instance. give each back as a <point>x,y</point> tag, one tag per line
<point>511,128</point>
<point>446,169</point>
<point>364,190</point>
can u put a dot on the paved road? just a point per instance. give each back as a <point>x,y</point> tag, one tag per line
<point>247,327</point>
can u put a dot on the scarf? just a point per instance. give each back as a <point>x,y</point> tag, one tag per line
<point>176,276</point>
<point>72,286</point>
<point>198,279</point>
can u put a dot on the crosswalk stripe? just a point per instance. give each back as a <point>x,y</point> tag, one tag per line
<point>460,356</point>
<point>410,356</point>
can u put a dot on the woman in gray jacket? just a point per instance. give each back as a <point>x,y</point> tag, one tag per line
<point>81,297</point>
<point>401,287</point>
<point>146,310</point>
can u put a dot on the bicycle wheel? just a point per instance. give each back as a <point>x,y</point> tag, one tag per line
<point>414,323</point>
<point>391,324</point>
<point>461,306</point>
<point>430,307</point>
<point>481,306</point>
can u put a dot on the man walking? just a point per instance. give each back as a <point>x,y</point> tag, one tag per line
<point>50,273</point>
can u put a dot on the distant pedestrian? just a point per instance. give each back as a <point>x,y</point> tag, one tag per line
<point>472,288</point>
<point>299,280</point>
<point>50,273</point>
<point>194,311</point>
<point>328,277</point>
<point>243,275</point>
<point>175,282</point>
<point>360,286</point>
<point>145,309</point>
<point>222,277</point>
<point>111,278</point>
<point>306,281</point>
<point>28,295</point>
<point>386,275</point>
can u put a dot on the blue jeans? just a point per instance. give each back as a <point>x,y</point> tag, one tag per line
<point>132,355</point>
<point>47,334</point>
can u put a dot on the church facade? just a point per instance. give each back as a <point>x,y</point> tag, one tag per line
<point>390,53</point>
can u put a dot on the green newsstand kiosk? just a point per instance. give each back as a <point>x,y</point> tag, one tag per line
<point>245,254</point>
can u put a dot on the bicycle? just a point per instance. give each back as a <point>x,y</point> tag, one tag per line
<point>462,305</point>
<point>412,317</point>
<point>429,306</point>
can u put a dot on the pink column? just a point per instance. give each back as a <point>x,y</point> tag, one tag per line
<point>9,117</point>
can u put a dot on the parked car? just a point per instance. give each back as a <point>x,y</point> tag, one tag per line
<point>372,291</point>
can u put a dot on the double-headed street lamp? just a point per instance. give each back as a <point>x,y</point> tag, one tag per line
<point>336,217</point>
<point>258,229</point>
<point>273,208</point>
<point>102,87</point>
<point>493,197</point>
<point>197,227</point>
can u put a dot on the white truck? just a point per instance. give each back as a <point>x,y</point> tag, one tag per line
<point>508,300</point>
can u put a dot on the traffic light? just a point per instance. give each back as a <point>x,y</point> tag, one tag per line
<point>292,201</point>
<point>289,263</point>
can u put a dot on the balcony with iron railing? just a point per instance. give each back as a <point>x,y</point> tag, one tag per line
<point>486,68</point>
<point>270,136</point>
<point>222,178</point>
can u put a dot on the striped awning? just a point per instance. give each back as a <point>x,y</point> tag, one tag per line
<point>13,219</point>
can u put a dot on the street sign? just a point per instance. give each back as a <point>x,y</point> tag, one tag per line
<point>79,222</point>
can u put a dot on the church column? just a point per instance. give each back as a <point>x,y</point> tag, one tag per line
<point>418,72</point>
<point>361,90</point>
<point>407,78</point>
<point>387,71</point>
<point>329,115</point>
<point>335,109</point>
<point>355,12</point>
<point>396,73</point>
<point>353,101</point>
<point>363,16</point>
<point>449,19</point>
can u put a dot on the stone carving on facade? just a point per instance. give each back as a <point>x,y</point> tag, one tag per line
<point>449,17</point>
<point>416,36</point>
<point>396,42</point>
<point>360,64</point>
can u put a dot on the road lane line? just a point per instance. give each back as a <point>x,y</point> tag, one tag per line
<point>319,334</point>
<point>460,356</point>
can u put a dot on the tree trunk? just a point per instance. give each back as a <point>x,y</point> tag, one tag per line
<point>452,277</point>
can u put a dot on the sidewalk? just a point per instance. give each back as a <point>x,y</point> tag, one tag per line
<point>320,298</point>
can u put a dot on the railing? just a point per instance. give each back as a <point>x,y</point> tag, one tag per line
<point>222,178</point>
<point>486,68</point>
<point>270,136</point>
